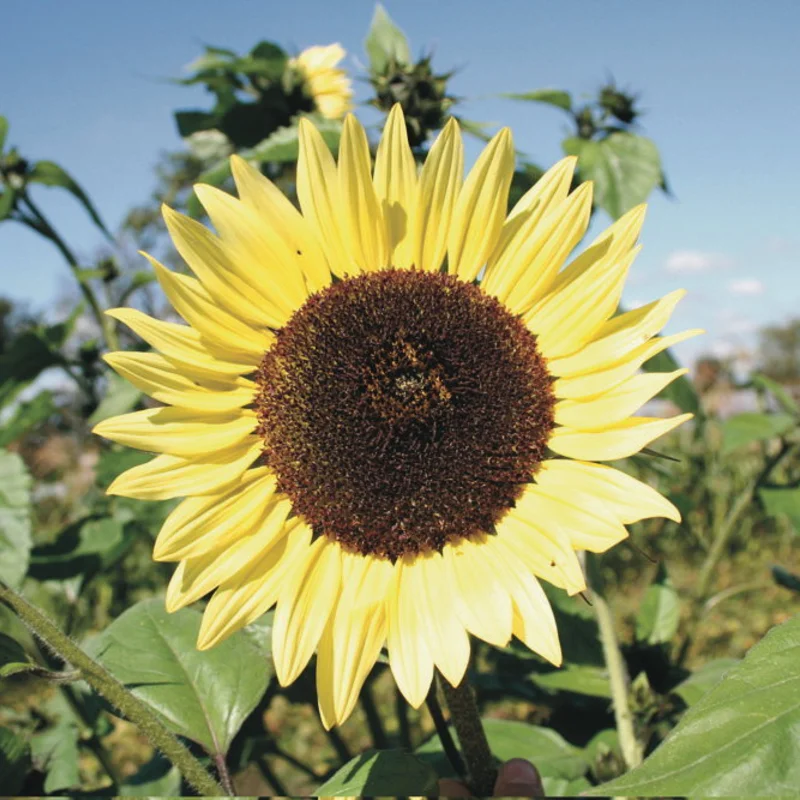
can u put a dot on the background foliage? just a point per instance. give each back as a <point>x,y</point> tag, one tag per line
<point>710,708</point>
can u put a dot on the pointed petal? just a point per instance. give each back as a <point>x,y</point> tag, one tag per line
<point>165,477</point>
<point>307,598</point>
<point>437,191</point>
<point>363,217</point>
<point>182,344</point>
<point>481,208</point>
<point>274,208</point>
<point>177,431</point>
<point>396,186</point>
<point>630,499</point>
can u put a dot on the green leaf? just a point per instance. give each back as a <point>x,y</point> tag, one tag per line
<point>55,752</point>
<point>749,427</point>
<point>625,168</point>
<point>681,392</point>
<point>26,416</point>
<point>213,176</point>
<point>577,625</point>
<point>703,679</point>
<point>49,173</point>
<point>156,778</point>
<point>592,681</point>
<point>15,519</point>
<point>554,756</point>
<point>381,772</point>
<point>115,461</point>
<point>659,614</point>
<point>782,500</point>
<point>190,122</point>
<point>14,761</point>
<point>7,197</point>
<point>269,60</point>
<point>13,659</point>
<point>552,97</point>
<point>120,397</point>
<point>786,578</point>
<point>780,393</point>
<point>27,356</point>
<point>739,739</point>
<point>204,696</point>
<point>283,146</point>
<point>85,547</point>
<point>385,43</point>
<point>561,787</point>
<point>3,132</point>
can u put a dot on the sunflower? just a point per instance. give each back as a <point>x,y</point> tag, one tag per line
<point>385,412</point>
<point>328,85</point>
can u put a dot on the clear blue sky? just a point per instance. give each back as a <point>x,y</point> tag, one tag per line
<point>84,83</point>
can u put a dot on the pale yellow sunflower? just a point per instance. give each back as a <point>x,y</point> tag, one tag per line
<point>367,435</point>
<point>327,84</point>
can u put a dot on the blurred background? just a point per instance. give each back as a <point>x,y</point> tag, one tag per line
<point>112,108</point>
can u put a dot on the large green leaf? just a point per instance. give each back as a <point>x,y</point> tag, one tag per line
<point>681,392</point>
<point>204,696</point>
<point>26,416</point>
<point>15,519</point>
<point>659,614</point>
<point>743,429</point>
<point>49,173</point>
<point>381,772</point>
<point>782,501</point>
<point>588,680</point>
<point>740,739</point>
<point>553,756</point>
<point>283,145</point>
<point>385,43</point>
<point>120,397</point>
<point>7,197</point>
<point>55,753</point>
<point>704,679</point>
<point>14,761</point>
<point>625,168</point>
<point>27,356</point>
<point>552,97</point>
<point>156,778</point>
<point>780,393</point>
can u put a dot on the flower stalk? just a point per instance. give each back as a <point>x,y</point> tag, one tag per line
<point>114,692</point>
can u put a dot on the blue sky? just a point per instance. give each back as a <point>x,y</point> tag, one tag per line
<point>85,84</point>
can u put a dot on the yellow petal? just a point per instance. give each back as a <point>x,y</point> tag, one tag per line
<point>306,600</point>
<point>481,208</point>
<point>591,384</point>
<point>157,377</point>
<point>620,440</point>
<point>199,525</point>
<point>353,638</point>
<point>409,657</point>
<point>165,477</point>
<point>444,633</point>
<point>544,249</point>
<point>396,186</point>
<point>630,499</point>
<point>365,226</point>
<point>274,208</point>
<point>184,345</point>
<point>617,337</point>
<point>479,594</point>
<point>585,519</point>
<point>437,191</point>
<point>258,258</point>
<point>206,256</point>
<point>536,204</point>
<point>199,575</point>
<point>534,623</point>
<point>199,309</point>
<point>570,315</point>
<point>318,192</point>
<point>544,549</point>
<point>616,404</point>
<point>245,598</point>
<point>177,431</point>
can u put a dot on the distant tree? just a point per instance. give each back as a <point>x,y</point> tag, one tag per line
<point>779,351</point>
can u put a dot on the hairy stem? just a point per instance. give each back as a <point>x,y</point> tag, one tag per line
<point>114,692</point>
<point>471,736</point>
<point>445,737</point>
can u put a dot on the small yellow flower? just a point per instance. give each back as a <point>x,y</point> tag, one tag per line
<point>398,456</point>
<point>328,85</point>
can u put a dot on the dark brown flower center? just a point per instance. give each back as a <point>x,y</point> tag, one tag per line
<point>403,410</point>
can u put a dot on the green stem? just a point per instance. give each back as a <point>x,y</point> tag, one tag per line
<point>46,229</point>
<point>632,751</point>
<point>442,729</point>
<point>466,719</point>
<point>114,692</point>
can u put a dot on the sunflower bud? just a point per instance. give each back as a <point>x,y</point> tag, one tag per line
<point>619,104</point>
